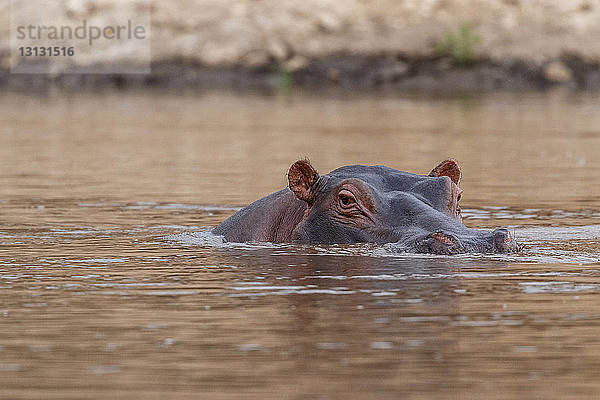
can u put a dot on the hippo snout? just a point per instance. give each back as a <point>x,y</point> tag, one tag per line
<point>440,242</point>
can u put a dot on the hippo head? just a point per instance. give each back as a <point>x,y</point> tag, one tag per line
<point>377,204</point>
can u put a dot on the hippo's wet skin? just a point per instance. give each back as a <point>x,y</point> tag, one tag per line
<point>370,204</point>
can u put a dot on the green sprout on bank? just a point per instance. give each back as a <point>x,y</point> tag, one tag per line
<point>459,46</point>
<point>285,79</point>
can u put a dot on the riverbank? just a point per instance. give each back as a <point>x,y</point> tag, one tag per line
<point>342,72</point>
<point>434,44</point>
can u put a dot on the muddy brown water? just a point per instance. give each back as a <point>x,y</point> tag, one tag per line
<point>110,286</point>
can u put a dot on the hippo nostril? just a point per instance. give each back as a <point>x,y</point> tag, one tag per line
<point>439,243</point>
<point>502,235</point>
<point>503,240</point>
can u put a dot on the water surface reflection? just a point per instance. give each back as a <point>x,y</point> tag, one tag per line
<point>110,285</point>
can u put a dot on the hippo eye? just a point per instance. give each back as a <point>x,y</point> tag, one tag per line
<point>346,198</point>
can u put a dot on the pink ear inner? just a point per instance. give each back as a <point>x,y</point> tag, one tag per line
<point>448,168</point>
<point>301,178</point>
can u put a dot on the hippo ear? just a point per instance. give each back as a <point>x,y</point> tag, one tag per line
<point>448,168</point>
<point>301,178</point>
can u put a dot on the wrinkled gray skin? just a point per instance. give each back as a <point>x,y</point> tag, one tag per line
<point>367,204</point>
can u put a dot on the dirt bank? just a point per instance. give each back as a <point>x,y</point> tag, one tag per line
<point>407,44</point>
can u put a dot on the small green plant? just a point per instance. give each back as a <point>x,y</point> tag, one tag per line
<point>459,46</point>
<point>285,79</point>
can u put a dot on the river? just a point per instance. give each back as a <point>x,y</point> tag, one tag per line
<point>110,285</point>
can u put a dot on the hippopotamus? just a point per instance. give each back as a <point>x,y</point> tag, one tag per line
<point>367,204</point>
